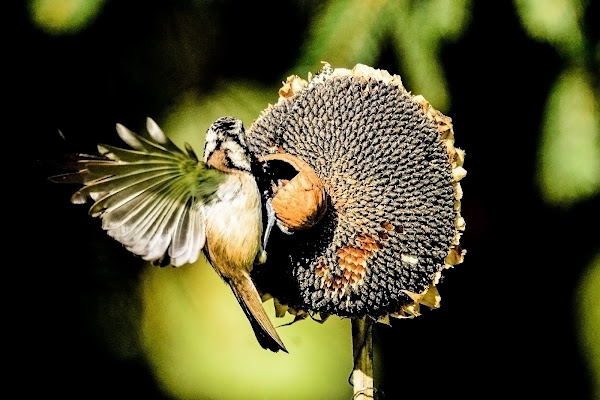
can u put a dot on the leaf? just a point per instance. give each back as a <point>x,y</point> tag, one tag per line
<point>569,157</point>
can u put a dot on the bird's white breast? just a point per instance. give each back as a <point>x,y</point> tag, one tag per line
<point>234,222</point>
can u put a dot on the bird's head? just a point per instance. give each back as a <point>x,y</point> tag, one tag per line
<point>225,146</point>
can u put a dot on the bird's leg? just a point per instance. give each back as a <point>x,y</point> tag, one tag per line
<point>270,222</point>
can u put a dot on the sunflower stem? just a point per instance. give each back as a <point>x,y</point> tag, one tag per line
<point>362,350</point>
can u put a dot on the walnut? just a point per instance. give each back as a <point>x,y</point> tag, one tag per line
<point>301,202</point>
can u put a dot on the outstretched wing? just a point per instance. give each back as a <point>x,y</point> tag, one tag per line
<point>151,198</point>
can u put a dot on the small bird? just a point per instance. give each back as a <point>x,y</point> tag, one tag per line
<point>167,206</point>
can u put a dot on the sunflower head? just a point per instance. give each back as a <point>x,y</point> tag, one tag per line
<point>386,168</point>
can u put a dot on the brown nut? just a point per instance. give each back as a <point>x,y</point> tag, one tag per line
<point>300,202</point>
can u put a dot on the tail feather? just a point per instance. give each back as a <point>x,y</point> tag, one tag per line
<point>250,301</point>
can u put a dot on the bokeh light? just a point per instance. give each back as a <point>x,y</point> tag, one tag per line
<point>201,346</point>
<point>588,310</point>
<point>569,158</point>
<point>64,16</point>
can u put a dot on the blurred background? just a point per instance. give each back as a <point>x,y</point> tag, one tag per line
<point>520,318</point>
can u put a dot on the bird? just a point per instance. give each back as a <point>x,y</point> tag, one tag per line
<point>167,206</point>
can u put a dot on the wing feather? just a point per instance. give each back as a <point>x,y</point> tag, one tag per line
<point>144,144</point>
<point>116,195</point>
<point>159,137</point>
<point>126,155</point>
<point>153,225</point>
<point>181,238</point>
<point>151,198</point>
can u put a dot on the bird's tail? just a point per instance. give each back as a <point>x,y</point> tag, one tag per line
<point>250,301</point>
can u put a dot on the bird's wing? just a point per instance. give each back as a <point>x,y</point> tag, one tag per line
<point>151,198</point>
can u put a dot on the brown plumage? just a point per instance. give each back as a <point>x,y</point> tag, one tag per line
<point>233,245</point>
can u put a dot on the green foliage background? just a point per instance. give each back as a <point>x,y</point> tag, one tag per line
<point>521,81</point>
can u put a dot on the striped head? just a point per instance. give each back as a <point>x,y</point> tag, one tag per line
<point>225,145</point>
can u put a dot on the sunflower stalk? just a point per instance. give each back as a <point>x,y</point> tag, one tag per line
<point>362,350</point>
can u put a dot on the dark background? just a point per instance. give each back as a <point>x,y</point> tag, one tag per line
<point>507,327</point>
